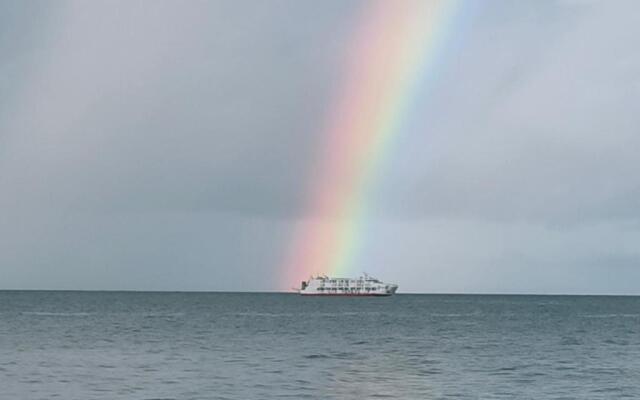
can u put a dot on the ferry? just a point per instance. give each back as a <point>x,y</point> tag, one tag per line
<point>363,286</point>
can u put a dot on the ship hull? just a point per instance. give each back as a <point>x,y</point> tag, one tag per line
<point>346,294</point>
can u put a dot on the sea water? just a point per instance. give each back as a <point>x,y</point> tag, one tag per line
<point>136,345</point>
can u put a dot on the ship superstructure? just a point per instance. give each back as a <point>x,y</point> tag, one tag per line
<point>362,286</point>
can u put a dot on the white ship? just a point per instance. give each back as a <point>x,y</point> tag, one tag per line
<point>363,286</point>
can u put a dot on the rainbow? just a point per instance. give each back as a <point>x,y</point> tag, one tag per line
<point>392,53</point>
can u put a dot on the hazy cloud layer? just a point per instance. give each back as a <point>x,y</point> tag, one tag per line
<point>163,145</point>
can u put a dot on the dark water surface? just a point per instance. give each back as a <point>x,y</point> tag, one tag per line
<point>111,345</point>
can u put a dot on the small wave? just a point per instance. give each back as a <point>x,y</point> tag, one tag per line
<point>315,356</point>
<point>264,314</point>
<point>343,355</point>
<point>570,341</point>
<point>610,316</point>
<point>453,315</point>
<point>159,398</point>
<point>619,342</point>
<point>429,371</point>
<point>56,314</point>
<point>163,315</point>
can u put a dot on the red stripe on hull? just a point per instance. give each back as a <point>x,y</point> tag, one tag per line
<point>346,295</point>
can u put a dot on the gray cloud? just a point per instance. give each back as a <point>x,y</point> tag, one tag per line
<point>551,139</point>
<point>168,146</point>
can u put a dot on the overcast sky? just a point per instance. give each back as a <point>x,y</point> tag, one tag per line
<point>167,146</point>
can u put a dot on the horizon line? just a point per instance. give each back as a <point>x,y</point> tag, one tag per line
<point>293,293</point>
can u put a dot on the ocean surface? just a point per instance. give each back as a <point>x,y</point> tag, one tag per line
<point>136,345</point>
